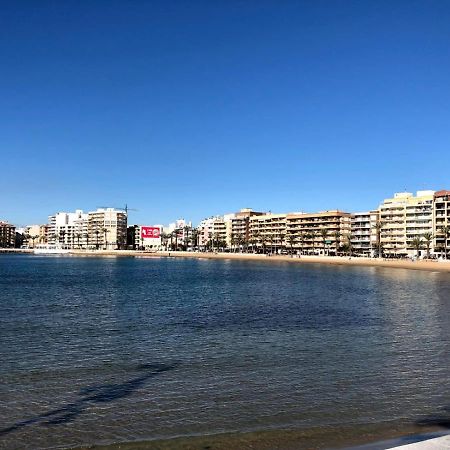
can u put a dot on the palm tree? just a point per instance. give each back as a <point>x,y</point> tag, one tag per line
<point>313,235</point>
<point>301,238</point>
<point>254,239</point>
<point>62,234</point>
<point>186,230</point>
<point>78,235</point>
<point>349,243</point>
<point>292,239</point>
<point>445,230</point>
<point>378,227</point>
<point>428,239</point>
<point>97,232</point>
<point>105,235</point>
<point>33,238</point>
<point>337,240</point>
<point>417,245</point>
<point>324,235</point>
<point>281,237</point>
<point>86,235</point>
<point>263,239</point>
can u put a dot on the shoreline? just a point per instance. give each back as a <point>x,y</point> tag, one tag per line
<point>360,437</point>
<point>433,266</point>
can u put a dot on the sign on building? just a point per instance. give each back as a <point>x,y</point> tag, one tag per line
<point>150,232</point>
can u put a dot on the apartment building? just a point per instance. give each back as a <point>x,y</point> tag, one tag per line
<point>268,230</point>
<point>107,229</point>
<point>68,230</point>
<point>364,233</point>
<point>34,235</point>
<point>441,222</point>
<point>240,226</point>
<point>214,229</point>
<point>7,235</point>
<point>318,233</point>
<point>404,218</point>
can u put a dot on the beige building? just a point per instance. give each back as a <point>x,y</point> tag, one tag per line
<point>7,235</point>
<point>441,222</point>
<point>268,230</point>
<point>107,229</point>
<point>35,234</point>
<point>403,218</point>
<point>238,232</point>
<point>318,233</point>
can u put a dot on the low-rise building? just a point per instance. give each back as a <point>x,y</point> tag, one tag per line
<point>145,237</point>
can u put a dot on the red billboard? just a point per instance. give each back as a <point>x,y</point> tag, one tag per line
<point>150,232</point>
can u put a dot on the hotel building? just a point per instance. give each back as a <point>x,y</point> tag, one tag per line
<point>7,235</point>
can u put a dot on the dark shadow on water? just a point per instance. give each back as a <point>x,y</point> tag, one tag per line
<point>93,395</point>
<point>439,420</point>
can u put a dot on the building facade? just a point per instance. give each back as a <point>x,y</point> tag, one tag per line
<point>404,218</point>
<point>107,229</point>
<point>7,235</point>
<point>441,223</point>
<point>364,233</point>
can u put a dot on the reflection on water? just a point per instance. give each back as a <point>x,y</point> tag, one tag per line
<point>107,350</point>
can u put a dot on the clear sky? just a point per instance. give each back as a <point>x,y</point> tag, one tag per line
<point>194,108</point>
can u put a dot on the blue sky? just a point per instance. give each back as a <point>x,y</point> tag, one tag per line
<point>189,109</point>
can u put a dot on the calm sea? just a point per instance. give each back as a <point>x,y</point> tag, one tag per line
<point>107,350</point>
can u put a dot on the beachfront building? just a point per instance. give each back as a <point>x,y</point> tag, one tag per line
<point>7,234</point>
<point>178,233</point>
<point>364,234</point>
<point>107,229</point>
<point>441,222</point>
<point>145,237</point>
<point>68,230</point>
<point>238,234</point>
<point>403,219</point>
<point>34,235</point>
<point>268,231</point>
<point>321,233</point>
<point>213,232</point>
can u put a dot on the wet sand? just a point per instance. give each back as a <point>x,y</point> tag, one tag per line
<point>308,439</point>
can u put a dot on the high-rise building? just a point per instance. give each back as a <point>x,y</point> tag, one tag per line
<point>441,220</point>
<point>68,230</point>
<point>7,235</point>
<point>404,218</point>
<point>318,233</point>
<point>364,234</point>
<point>107,229</point>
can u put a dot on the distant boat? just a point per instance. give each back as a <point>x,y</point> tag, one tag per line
<point>49,249</point>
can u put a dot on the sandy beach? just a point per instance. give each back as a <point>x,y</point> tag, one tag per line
<point>434,266</point>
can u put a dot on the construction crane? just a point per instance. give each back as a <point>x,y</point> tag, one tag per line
<point>126,209</point>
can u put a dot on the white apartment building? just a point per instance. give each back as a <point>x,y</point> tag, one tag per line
<point>403,218</point>
<point>68,230</point>
<point>364,234</point>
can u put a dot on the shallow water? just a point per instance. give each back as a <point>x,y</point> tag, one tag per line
<point>104,350</point>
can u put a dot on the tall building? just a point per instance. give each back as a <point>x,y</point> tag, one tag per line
<point>107,229</point>
<point>318,233</point>
<point>213,232</point>
<point>364,233</point>
<point>68,230</point>
<point>7,235</point>
<point>268,230</point>
<point>238,232</point>
<point>404,218</point>
<point>441,220</point>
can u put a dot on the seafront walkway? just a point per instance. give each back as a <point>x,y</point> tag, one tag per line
<point>440,443</point>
